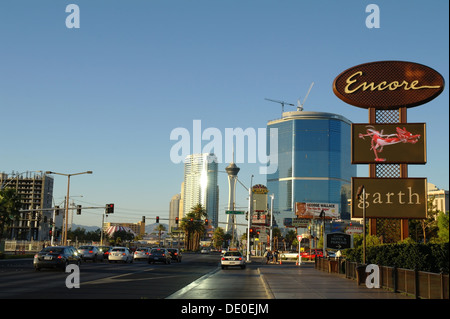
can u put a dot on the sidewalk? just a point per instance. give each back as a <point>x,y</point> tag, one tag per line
<point>290,281</point>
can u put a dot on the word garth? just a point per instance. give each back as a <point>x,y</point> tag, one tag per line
<point>255,146</point>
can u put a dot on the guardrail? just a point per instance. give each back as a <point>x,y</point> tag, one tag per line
<point>421,284</point>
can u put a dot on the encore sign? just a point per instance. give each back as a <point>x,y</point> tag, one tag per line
<point>388,85</point>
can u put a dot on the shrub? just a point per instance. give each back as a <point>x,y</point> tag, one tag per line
<point>423,257</point>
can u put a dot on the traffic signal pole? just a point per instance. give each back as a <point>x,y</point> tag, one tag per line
<point>249,222</point>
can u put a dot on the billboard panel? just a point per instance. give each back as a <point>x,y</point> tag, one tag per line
<point>390,197</point>
<point>389,143</point>
<point>313,210</point>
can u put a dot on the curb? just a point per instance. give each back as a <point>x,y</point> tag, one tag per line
<point>269,292</point>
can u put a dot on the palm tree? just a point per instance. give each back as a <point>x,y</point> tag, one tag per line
<point>193,226</point>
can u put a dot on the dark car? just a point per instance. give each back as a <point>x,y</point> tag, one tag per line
<point>106,250</point>
<point>56,257</point>
<point>176,254</point>
<point>159,255</point>
<point>90,253</point>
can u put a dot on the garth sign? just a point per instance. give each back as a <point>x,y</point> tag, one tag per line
<point>390,197</point>
<point>388,85</point>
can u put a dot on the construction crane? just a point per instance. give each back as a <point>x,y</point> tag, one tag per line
<point>282,104</point>
<point>300,105</point>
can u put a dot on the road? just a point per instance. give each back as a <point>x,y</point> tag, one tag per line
<point>138,280</point>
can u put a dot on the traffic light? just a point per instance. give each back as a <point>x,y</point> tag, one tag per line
<point>191,220</point>
<point>157,219</point>
<point>50,233</point>
<point>251,232</point>
<point>176,220</point>
<point>56,210</point>
<point>78,209</point>
<point>206,221</point>
<point>109,209</point>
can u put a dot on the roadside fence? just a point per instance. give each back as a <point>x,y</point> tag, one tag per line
<point>421,284</point>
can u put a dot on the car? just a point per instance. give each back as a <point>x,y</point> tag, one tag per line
<point>120,254</point>
<point>176,254</point>
<point>105,250</point>
<point>159,255</point>
<point>232,258</point>
<point>205,250</point>
<point>90,253</point>
<point>56,257</point>
<point>311,253</point>
<point>141,253</point>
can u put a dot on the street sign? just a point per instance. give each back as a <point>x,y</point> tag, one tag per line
<point>235,212</point>
<point>300,222</point>
<point>338,241</point>
<point>299,237</point>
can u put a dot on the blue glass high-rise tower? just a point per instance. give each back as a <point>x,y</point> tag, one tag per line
<point>314,162</point>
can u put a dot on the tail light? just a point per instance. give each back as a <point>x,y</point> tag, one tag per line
<point>240,258</point>
<point>90,251</point>
<point>175,254</point>
<point>123,254</point>
<point>223,258</point>
<point>59,257</point>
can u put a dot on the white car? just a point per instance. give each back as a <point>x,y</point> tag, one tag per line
<point>120,254</point>
<point>232,258</point>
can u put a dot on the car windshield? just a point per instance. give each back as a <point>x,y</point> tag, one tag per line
<point>86,247</point>
<point>157,251</point>
<point>118,249</point>
<point>142,249</point>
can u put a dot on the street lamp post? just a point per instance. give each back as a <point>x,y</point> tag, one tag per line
<point>249,222</point>
<point>362,192</point>
<point>67,200</point>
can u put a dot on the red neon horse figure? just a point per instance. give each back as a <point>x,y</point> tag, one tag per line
<point>379,140</point>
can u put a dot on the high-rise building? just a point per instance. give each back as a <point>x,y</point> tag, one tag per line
<point>174,211</point>
<point>36,193</point>
<point>200,185</point>
<point>314,162</point>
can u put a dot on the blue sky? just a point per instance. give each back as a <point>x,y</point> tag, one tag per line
<point>105,97</point>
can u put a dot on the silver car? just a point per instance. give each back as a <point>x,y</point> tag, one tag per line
<point>120,254</point>
<point>141,253</point>
<point>90,253</point>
